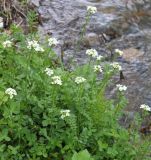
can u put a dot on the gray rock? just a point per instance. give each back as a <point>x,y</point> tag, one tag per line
<point>35,3</point>
<point>92,39</point>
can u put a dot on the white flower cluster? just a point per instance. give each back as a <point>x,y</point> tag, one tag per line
<point>98,68</point>
<point>116,65</point>
<point>35,45</point>
<point>79,80</point>
<point>145,107</point>
<point>7,43</point>
<point>11,92</point>
<point>49,71</point>
<point>1,23</point>
<point>65,113</point>
<point>119,52</point>
<point>98,58</point>
<point>56,80</point>
<point>52,42</point>
<point>121,87</point>
<point>91,9</point>
<point>92,52</point>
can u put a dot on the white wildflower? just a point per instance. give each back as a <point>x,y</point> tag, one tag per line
<point>121,87</point>
<point>31,44</point>
<point>99,57</point>
<point>91,9</point>
<point>79,80</point>
<point>7,43</point>
<point>38,48</point>
<point>56,80</point>
<point>49,71</point>
<point>52,42</point>
<point>119,52</point>
<point>11,92</point>
<point>97,68</point>
<point>1,23</point>
<point>92,52</point>
<point>116,65</point>
<point>65,113</point>
<point>145,107</point>
<point>35,45</point>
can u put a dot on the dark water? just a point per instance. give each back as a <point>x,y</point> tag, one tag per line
<point>126,25</point>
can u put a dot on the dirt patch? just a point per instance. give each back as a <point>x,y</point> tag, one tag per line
<point>18,12</point>
<point>132,54</point>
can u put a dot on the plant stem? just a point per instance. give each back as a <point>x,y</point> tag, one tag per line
<point>83,31</point>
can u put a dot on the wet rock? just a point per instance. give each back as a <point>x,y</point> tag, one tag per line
<point>92,39</point>
<point>44,14</point>
<point>35,3</point>
<point>127,118</point>
<point>132,54</point>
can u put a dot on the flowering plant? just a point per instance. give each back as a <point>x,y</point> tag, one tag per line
<point>54,113</point>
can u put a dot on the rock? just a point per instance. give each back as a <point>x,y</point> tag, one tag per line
<point>132,54</point>
<point>35,3</point>
<point>92,39</point>
<point>127,118</point>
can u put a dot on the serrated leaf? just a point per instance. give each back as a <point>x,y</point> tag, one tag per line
<point>82,155</point>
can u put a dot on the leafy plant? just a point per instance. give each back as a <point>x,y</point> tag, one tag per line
<point>32,20</point>
<point>82,155</point>
<point>49,112</point>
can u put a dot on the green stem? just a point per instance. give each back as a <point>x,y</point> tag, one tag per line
<point>78,108</point>
<point>83,31</point>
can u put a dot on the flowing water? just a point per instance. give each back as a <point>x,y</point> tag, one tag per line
<point>125,24</point>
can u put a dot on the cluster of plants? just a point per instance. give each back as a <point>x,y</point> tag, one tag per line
<point>49,112</point>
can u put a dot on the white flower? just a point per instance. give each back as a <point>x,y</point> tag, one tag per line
<point>52,42</point>
<point>39,48</point>
<point>11,92</point>
<point>92,52</point>
<point>91,9</point>
<point>65,113</point>
<point>79,80</point>
<point>56,80</point>
<point>116,65</point>
<point>7,43</point>
<point>119,52</point>
<point>31,44</point>
<point>49,71</point>
<point>145,107</point>
<point>1,23</point>
<point>97,68</point>
<point>99,57</point>
<point>121,87</point>
<point>34,44</point>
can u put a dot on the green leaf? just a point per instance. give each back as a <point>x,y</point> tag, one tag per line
<point>4,135</point>
<point>2,147</point>
<point>112,151</point>
<point>3,97</point>
<point>102,145</point>
<point>82,155</point>
<point>13,149</point>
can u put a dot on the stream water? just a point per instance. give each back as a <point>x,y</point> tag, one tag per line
<point>126,24</point>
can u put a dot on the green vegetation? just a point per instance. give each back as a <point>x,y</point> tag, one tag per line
<point>48,112</point>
